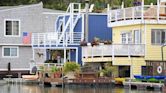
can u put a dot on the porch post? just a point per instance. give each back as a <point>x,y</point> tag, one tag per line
<point>69,55</point>
<point>142,10</point>
<point>64,55</point>
<point>158,9</point>
<point>45,53</point>
<point>76,55</point>
<point>33,54</point>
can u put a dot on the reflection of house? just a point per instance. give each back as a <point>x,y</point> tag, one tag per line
<point>137,40</point>
<point>17,24</point>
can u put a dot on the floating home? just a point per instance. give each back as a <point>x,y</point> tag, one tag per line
<point>32,35</point>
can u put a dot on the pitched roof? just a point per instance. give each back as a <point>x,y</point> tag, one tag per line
<point>52,10</point>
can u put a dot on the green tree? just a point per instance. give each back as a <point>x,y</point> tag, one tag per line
<point>63,4</point>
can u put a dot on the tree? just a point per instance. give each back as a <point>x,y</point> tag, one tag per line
<point>63,4</point>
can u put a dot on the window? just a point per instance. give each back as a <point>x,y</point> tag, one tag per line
<point>137,36</point>
<point>158,36</point>
<point>126,38</point>
<point>10,51</point>
<point>12,27</point>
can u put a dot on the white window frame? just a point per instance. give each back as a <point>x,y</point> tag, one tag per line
<point>160,36</point>
<point>139,35</point>
<point>3,47</point>
<point>19,22</point>
<point>127,37</point>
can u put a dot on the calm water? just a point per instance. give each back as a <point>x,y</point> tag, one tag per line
<point>18,88</point>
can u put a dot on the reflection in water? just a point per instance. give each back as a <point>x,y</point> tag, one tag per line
<point>20,88</point>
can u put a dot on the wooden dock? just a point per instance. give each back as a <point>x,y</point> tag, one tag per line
<point>79,81</point>
<point>20,81</point>
<point>143,85</point>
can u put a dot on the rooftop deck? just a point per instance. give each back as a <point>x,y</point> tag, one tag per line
<point>150,14</point>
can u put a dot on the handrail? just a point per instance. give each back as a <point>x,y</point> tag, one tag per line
<point>51,38</point>
<point>113,50</point>
<point>144,12</point>
<point>68,26</point>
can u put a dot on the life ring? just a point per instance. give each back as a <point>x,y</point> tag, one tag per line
<point>159,69</point>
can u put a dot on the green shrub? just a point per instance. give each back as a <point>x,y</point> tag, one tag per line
<point>71,67</point>
<point>54,69</point>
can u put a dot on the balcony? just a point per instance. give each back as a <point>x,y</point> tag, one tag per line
<point>151,14</point>
<point>113,50</point>
<point>50,39</point>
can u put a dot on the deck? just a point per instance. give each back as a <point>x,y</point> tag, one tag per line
<point>150,14</point>
<point>79,81</point>
<point>143,85</point>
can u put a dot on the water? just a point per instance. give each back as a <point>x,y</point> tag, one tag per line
<point>19,88</point>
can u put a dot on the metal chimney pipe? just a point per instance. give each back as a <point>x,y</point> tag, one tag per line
<point>86,20</point>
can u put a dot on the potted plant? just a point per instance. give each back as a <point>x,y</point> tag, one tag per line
<point>83,43</point>
<point>41,71</point>
<point>54,72</point>
<point>70,69</point>
<point>95,41</point>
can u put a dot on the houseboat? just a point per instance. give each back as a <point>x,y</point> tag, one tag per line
<point>138,40</point>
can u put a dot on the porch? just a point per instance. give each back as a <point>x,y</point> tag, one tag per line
<point>50,39</point>
<point>108,52</point>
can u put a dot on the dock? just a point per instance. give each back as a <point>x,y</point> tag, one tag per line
<point>143,85</point>
<point>19,81</point>
<point>93,82</point>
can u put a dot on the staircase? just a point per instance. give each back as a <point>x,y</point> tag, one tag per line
<point>64,34</point>
<point>68,23</point>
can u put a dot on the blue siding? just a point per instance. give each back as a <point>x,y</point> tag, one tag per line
<point>98,28</point>
<point>78,27</point>
<point>73,56</point>
<point>73,53</point>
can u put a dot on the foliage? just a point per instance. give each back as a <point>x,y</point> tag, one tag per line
<point>63,4</point>
<point>71,67</point>
<point>41,68</point>
<point>109,70</point>
<point>53,69</point>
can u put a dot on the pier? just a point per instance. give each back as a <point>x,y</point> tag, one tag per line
<point>143,85</point>
<point>94,82</point>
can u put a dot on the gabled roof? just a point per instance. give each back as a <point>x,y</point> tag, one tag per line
<point>6,8</point>
<point>52,10</point>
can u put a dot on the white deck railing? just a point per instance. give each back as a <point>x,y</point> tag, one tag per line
<point>137,13</point>
<point>50,38</point>
<point>113,50</point>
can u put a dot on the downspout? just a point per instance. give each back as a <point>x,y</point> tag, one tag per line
<point>86,20</point>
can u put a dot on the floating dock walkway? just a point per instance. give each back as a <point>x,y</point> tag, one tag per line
<point>143,85</point>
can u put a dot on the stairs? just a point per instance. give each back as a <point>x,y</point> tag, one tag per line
<point>64,34</point>
<point>69,22</point>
